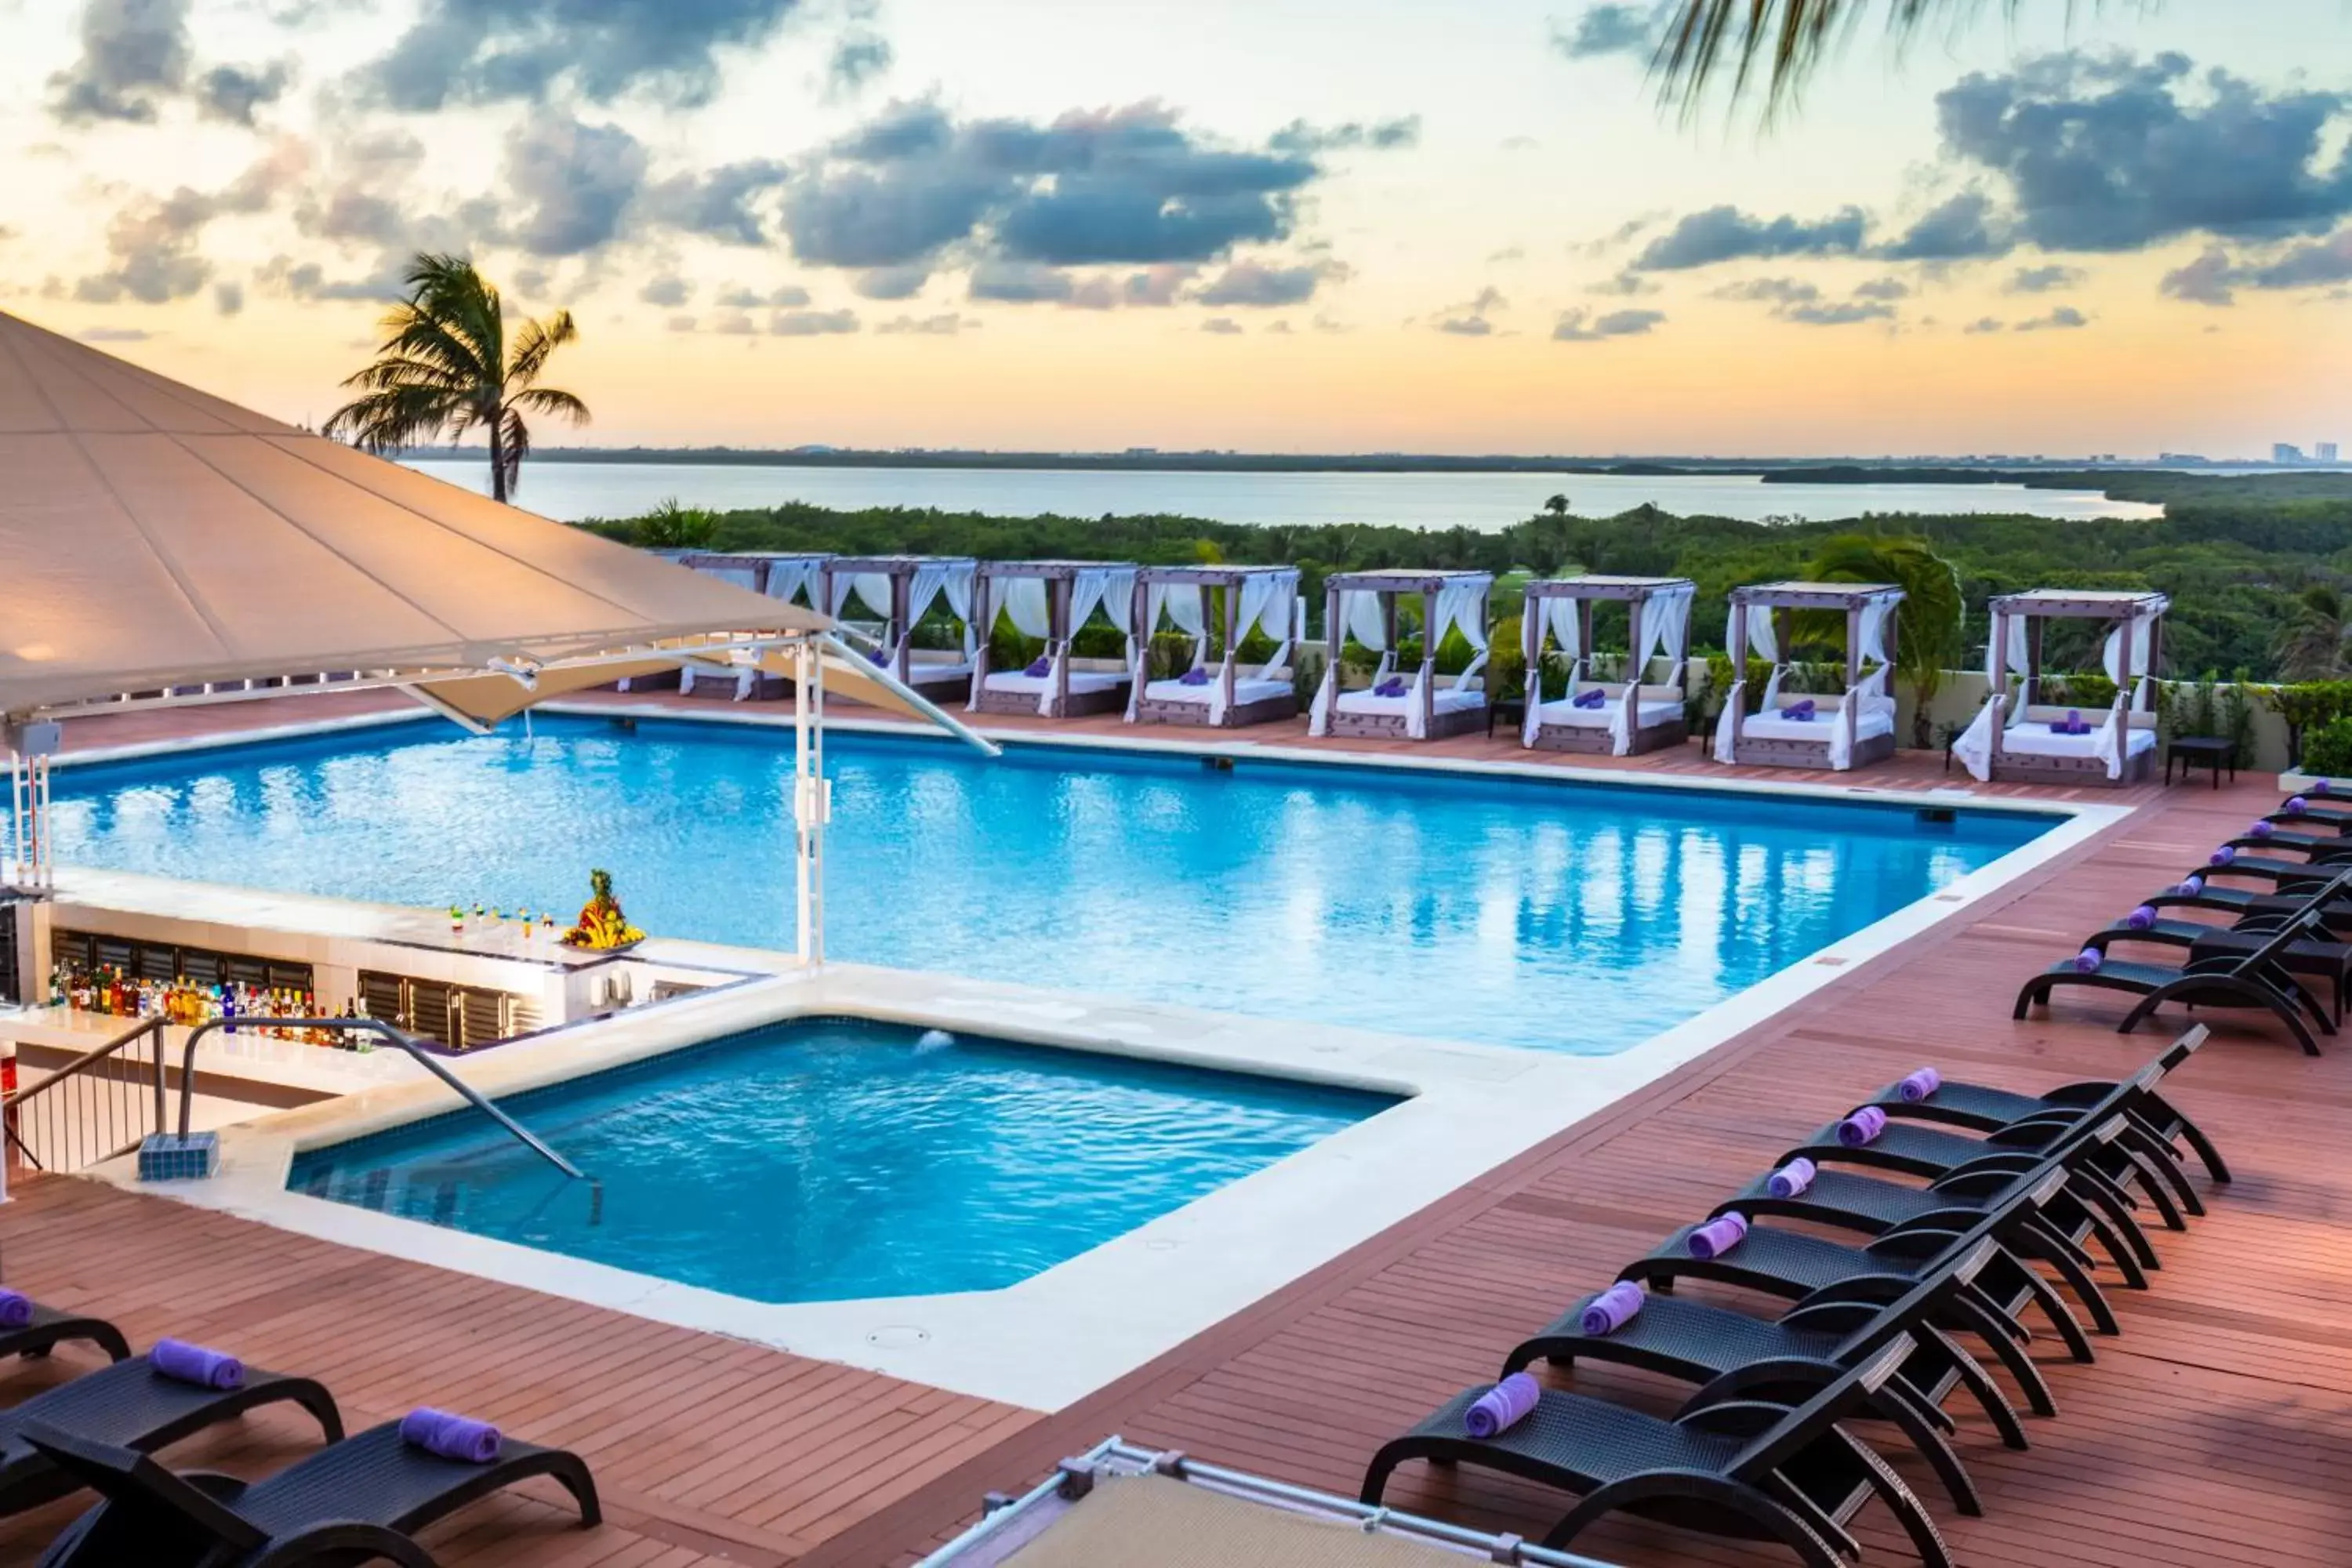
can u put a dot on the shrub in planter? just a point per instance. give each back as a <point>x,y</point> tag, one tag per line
<point>2327,750</point>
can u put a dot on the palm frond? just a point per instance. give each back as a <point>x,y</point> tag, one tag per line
<point>549,400</point>
<point>1777,44</point>
<point>514,446</point>
<point>535,342</point>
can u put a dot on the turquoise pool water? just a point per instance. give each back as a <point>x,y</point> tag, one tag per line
<point>832,1158</point>
<point>1569,916</point>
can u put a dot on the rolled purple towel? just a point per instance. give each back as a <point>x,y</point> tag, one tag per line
<point>1595,698</point>
<point>1193,677</point>
<point>2224,854</point>
<point>1041,666</point>
<point>1502,1406</point>
<point>2089,961</point>
<point>2143,918</point>
<point>878,657</point>
<point>1792,1179</point>
<point>183,1363</point>
<point>2322,787</point>
<point>1613,1308</point>
<point>1804,710</point>
<point>2296,805</point>
<point>2262,830</point>
<point>15,1309</point>
<point>1392,687</point>
<point>1863,1127</point>
<point>1718,1237</point>
<point>451,1436</point>
<point>1919,1085</point>
<point>2194,887</point>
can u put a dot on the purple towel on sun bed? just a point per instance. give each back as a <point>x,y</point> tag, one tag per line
<point>2296,805</point>
<point>1863,1127</point>
<point>1392,687</point>
<point>1194,677</point>
<point>1613,1308</point>
<point>1718,1237</point>
<point>2322,787</point>
<point>1596,698</point>
<point>1792,1179</point>
<point>2262,830</point>
<point>879,656</point>
<point>15,1309</point>
<point>450,1437</point>
<point>2089,961</point>
<point>1919,1085</point>
<point>1502,1406</point>
<point>1040,666</point>
<point>2224,854</point>
<point>183,1363</point>
<point>2144,918</point>
<point>2193,888</point>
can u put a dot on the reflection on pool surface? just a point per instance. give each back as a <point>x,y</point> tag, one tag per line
<point>833,1159</point>
<point>1565,916</point>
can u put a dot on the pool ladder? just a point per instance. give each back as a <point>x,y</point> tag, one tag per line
<point>397,1038</point>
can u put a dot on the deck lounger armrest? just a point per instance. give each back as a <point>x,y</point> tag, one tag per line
<point>1791,1435</point>
<point>129,1479</point>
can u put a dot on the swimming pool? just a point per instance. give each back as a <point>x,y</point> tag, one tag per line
<point>1565,916</point>
<point>833,1159</point>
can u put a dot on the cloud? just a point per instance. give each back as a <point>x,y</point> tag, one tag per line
<point>1574,328</point>
<point>812,323</point>
<point>1770,291</point>
<point>945,326</point>
<point>2043,280</point>
<point>668,292</point>
<point>1222,326</point>
<point>858,58</point>
<point>2110,153</point>
<point>228,297</point>
<point>716,204</point>
<point>115,335</point>
<point>1022,283</point>
<point>1380,135</point>
<point>2214,278</point>
<point>573,182</point>
<point>681,324</point>
<point>151,244</point>
<point>1727,234</point>
<point>2064,319</point>
<point>1156,286</point>
<point>1845,313</point>
<point>1985,325</point>
<point>1624,286</point>
<point>489,51</point>
<point>1130,185</point>
<point>735,325</point>
<point>1883,289</point>
<point>133,53</point>
<point>308,280</point>
<point>1254,286</point>
<point>1962,229</point>
<point>1604,30</point>
<point>1473,319</point>
<point>233,93</point>
<point>788,297</point>
<point>894,282</point>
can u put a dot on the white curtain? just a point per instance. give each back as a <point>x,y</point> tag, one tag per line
<point>1024,602</point>
<point>934,579</point>
<point>1764,643</point>
<point>1871,639</point>
<point>2016,656</point>
<point>2138,632</point>
<point>1974,748</point>
<point>2113,735</point>
<point>871,588</point>
<point>1665,622</point>
<point>790,579</point>
<point>1559,617</point>
<point>1270,602</point>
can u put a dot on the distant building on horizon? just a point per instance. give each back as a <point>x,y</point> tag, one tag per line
<point>2285,453</point>
<point>2326,452</point>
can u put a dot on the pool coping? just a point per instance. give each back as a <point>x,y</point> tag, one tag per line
<point>1057,1336</point>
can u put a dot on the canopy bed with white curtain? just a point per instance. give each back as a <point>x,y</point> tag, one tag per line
<point>2020,738</point>
<point>1796,730</point>
<point>1048,602</point>
<point>1227,693</point>
<point>1624,718</point>
<point>783,576</point>
<point>882,598</point>
<point>1424,706</point>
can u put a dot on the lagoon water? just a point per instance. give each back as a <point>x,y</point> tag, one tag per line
<point>573,491</point>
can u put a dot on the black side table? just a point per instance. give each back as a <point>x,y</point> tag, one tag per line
<point>2206,750</point>
<point>1515,708</point>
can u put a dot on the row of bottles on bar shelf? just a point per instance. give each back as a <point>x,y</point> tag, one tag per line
<point>246,1009</point>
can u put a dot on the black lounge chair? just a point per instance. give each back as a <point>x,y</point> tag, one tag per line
<point>2335,914</point>
<point>50,1327</point>
<point>1746,1470</point>
<point>352,1502</point>
<point>1799,1267</point>
<point>132,1405</point>
<point>1732,1355</point>
<point>2249,980</point>
<point>1986,1109</point>
<point>2319,957</point>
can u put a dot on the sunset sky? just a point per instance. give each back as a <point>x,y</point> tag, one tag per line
<point>1276,224</point>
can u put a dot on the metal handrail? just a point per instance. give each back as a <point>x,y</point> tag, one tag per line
<point>80,1066</point>
<point>377,1027</point>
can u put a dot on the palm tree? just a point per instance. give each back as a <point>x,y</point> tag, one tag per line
<point>1556,506</point>
<point>447,366</point>
<point>1783,41</point>
<point>2311,643</point>
<point>1928,628</point>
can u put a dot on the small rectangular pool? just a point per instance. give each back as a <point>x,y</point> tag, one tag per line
<point>1541,912</point>
<point>834,1158</point>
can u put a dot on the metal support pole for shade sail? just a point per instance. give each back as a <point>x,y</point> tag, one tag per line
<point>811,803</point>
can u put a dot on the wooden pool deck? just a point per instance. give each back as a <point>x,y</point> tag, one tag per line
<point>2218,1430</point>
